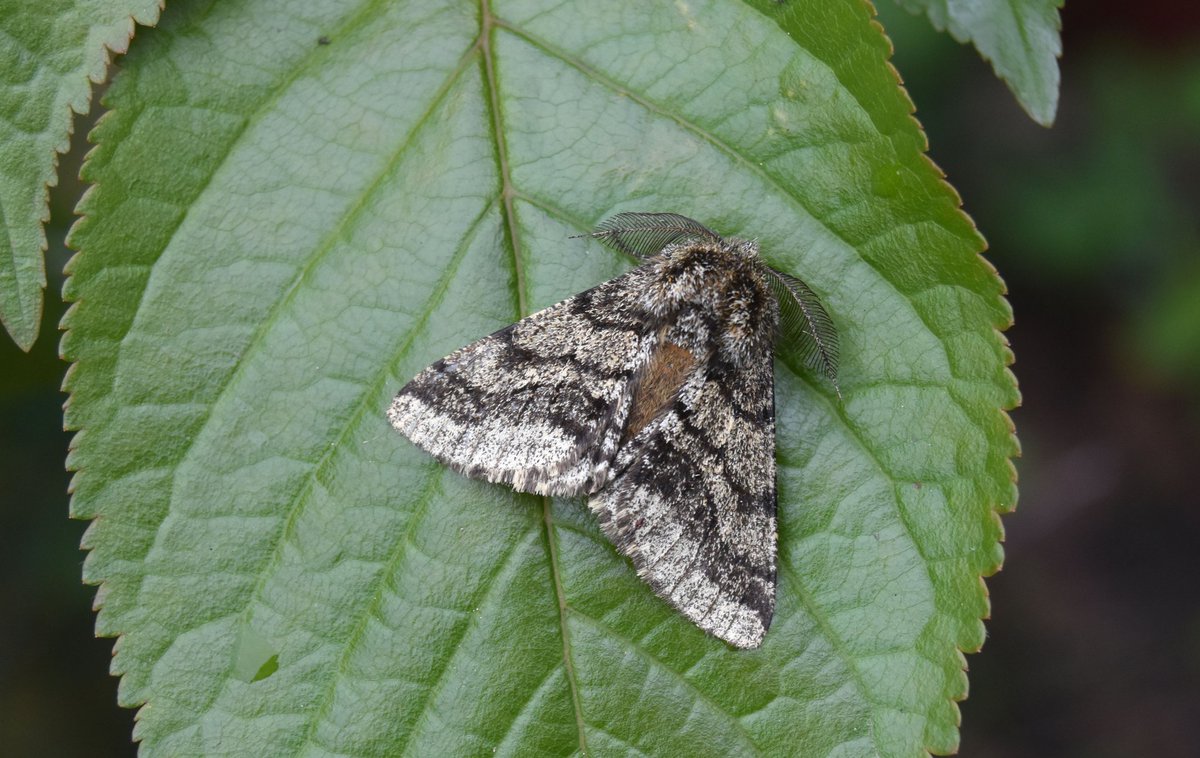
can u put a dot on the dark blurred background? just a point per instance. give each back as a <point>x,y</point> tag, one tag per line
<point>1094,646</point>
<point>1094,649</point>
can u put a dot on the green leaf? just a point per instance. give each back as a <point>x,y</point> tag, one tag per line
<point>1019,37</point>
<point>50,54</point>
<point>298,207</point>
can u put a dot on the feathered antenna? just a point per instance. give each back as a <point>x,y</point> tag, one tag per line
<point>805,325</point>
<point>642,235</point>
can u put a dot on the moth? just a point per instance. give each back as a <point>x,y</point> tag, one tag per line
<point>653,394</point>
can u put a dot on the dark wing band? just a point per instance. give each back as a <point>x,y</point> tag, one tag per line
<point>541,404</point>
<point>692,501</point>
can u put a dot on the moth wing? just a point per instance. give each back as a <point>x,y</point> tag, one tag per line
<point>540,404</point>
<point>692,500</point>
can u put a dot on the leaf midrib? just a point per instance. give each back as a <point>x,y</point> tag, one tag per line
<point>488,23</point>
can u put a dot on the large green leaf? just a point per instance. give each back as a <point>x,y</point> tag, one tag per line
<point>297,207</point>
<point>1020,38</point>
<point>50,53</point>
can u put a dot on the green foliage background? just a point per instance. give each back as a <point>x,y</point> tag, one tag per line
<point>1091,223</point>
<point>555,518</point>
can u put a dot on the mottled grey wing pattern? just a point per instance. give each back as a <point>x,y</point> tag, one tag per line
<point>692,500</point>
<point>541,404</point>
<point>653,394</point>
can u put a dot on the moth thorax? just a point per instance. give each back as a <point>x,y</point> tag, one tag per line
<point>721,285</point>
<point>747,314</point>
<point>695,272</point>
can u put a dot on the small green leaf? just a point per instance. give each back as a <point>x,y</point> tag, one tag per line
<point>1019,37</point>
<point>50,54</point>
<point>298,207</point>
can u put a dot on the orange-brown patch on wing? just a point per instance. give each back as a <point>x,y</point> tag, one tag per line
<point>668,368</point>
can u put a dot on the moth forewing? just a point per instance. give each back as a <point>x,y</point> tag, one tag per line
<point>693,504</point>
<point>541,404</point>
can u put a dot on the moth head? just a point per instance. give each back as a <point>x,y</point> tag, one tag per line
<point>723,279</point>
<point>747,249</point>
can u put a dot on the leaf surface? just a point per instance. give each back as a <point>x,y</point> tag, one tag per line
<point>1019,37</point>
<point>298,207</point>
<point>50,54</point>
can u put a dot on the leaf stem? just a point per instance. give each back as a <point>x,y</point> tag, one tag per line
<point>562,621</point>
<point>507,192</point>
<point>487,23</point>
